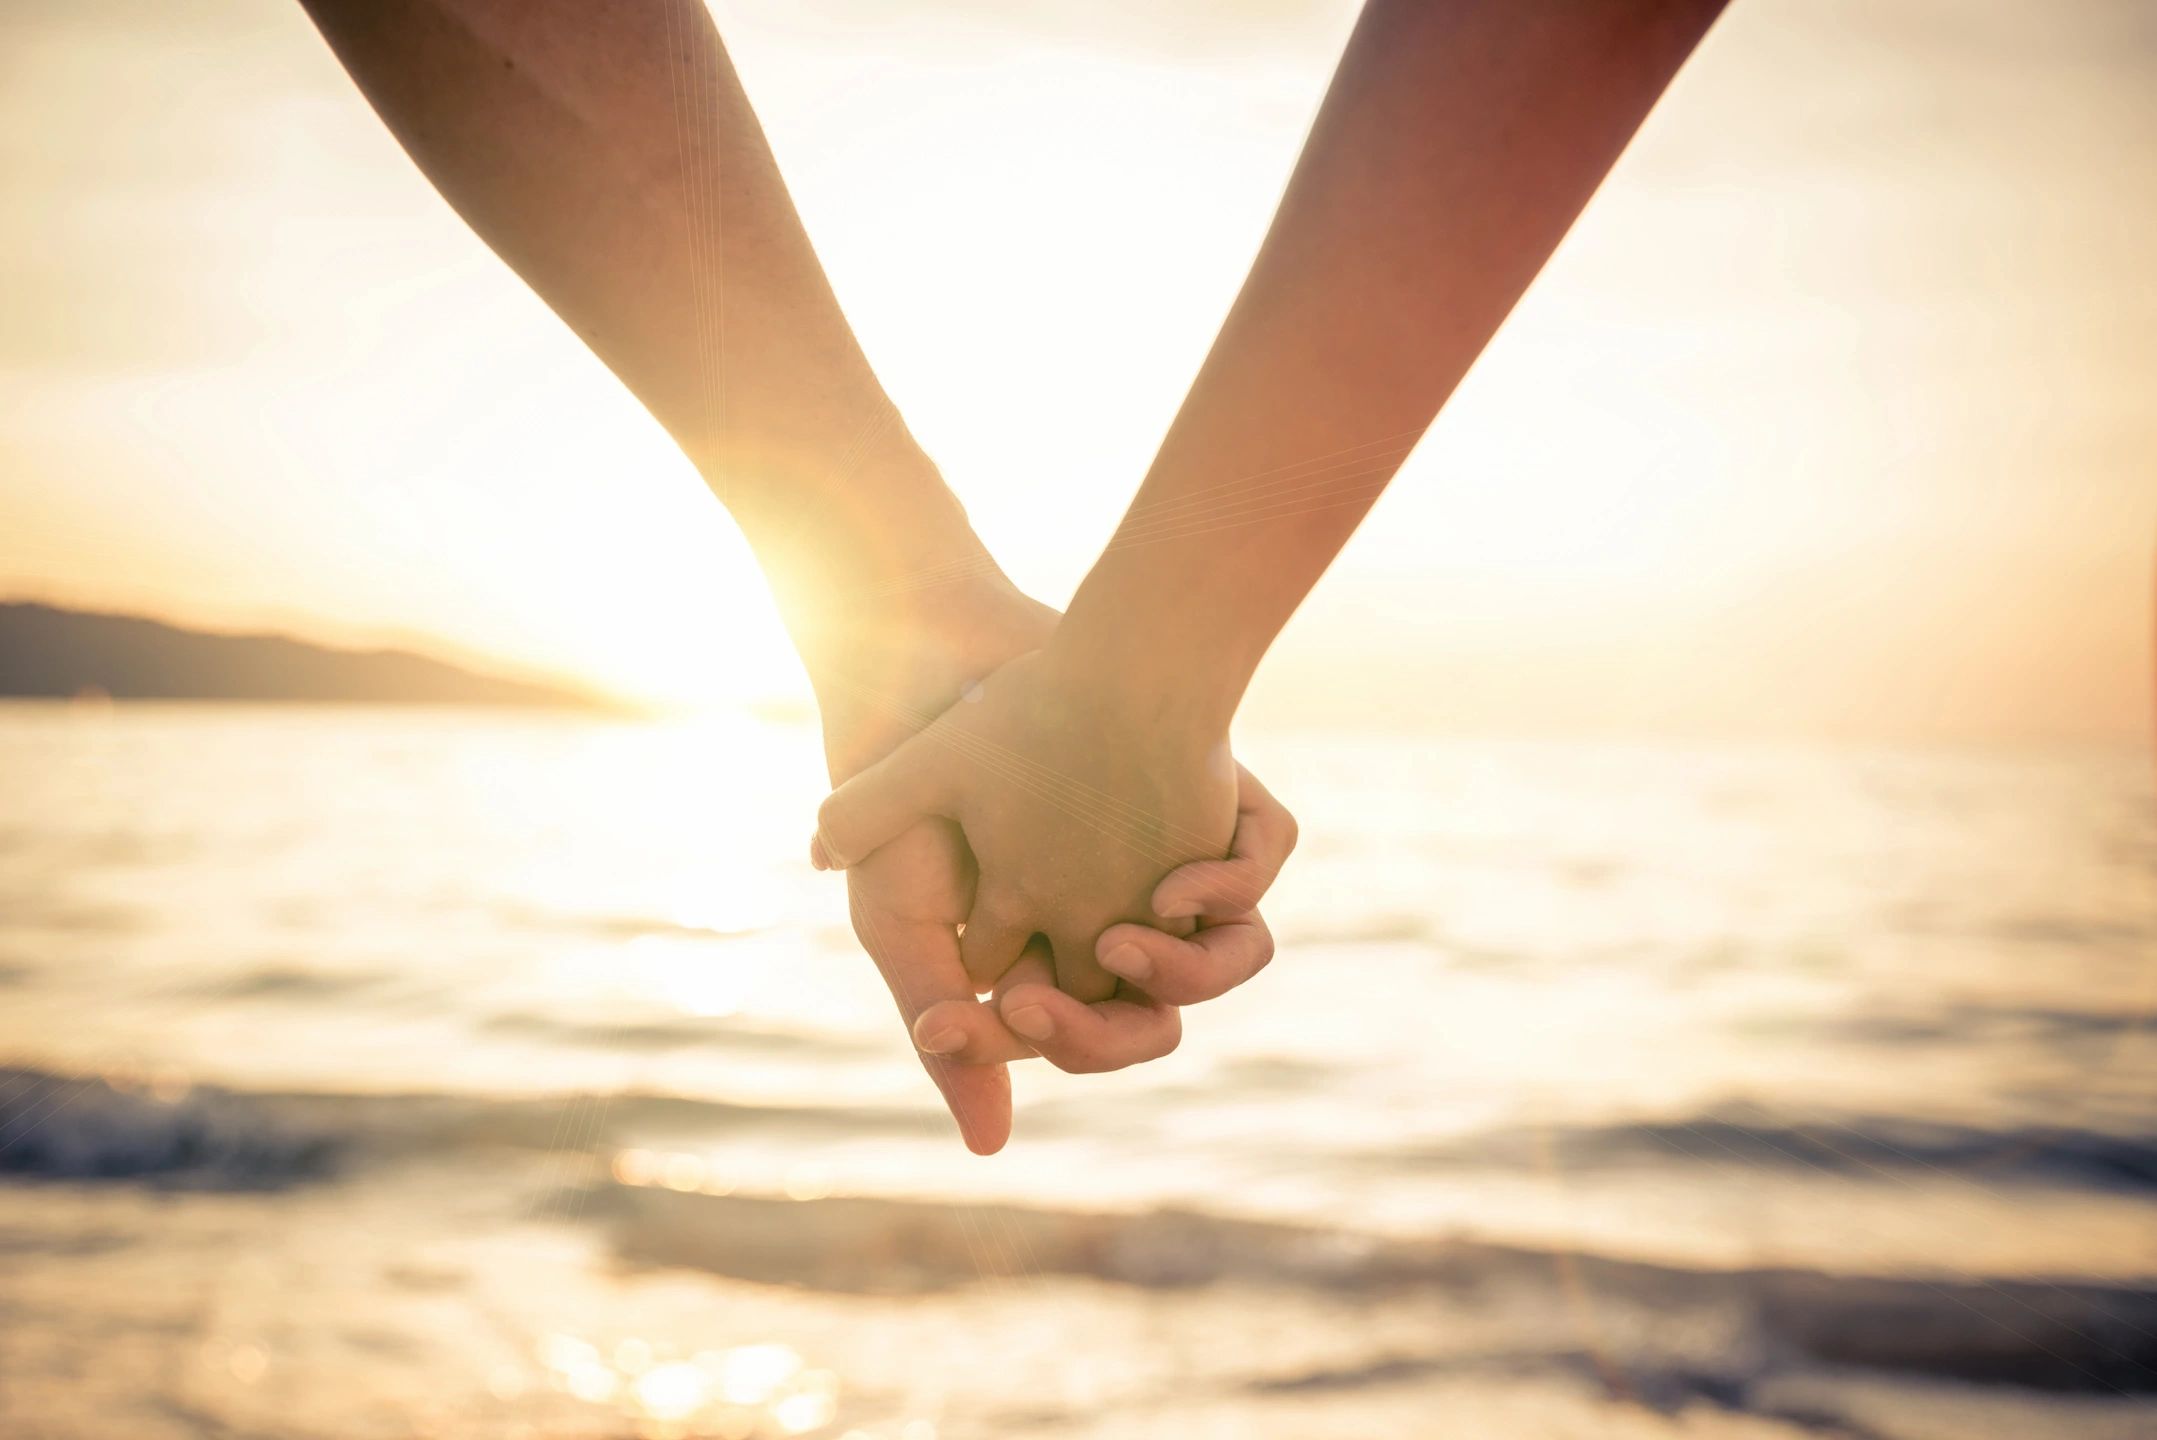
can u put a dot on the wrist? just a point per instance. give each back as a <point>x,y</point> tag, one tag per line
<point>831,550</point>
<point>1149,658</point>
<point>883,671</point>
<point>1155,710</point>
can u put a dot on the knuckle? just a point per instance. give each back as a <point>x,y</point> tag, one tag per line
<point>1244,887</point>
<point>1082,1060</point>
<point>1197,985</point>
<point>830,815</point>
<point>1171,1037</point>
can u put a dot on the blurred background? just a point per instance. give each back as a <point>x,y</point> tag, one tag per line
<point>1715,982</point>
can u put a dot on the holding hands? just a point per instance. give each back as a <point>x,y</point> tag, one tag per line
<point>1074,806</point>
<point>1015,841</point>
<point>1013,787</point>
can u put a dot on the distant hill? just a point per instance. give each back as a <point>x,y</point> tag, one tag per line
<point>48,652</point>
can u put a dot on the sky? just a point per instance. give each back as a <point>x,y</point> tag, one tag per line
<point>1833,416</point>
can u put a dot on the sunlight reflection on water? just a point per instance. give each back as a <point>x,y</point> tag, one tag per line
<point>747,1390</point>
<point>548,1019</point>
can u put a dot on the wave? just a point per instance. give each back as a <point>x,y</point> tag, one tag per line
<point>1364,930</point>
<point>2079,1336</point>
<point>283,982</point>
<point>96,1127</point>
<point>1857,1146</point>
<point>153,1129</point>
<point>2079,931</point>
<point>1961,1024</point>
<point>92,1129</point>
<point>611,927</point>
<point>675,1033</point>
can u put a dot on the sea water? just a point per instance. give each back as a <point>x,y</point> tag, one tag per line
<point>395,1072</point>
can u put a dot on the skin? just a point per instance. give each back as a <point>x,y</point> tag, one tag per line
<point>609,155</point>
<point>907,900</point>
<point>1458,142</point>
<point>1074,802</point>
<point>1229,945</point>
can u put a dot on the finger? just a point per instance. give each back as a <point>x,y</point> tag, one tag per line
<point>1078,973</point>
<point>1087,1039</point>
<point>878,804</point>
<point>1226,889</point>
<point>997,929</point>
<point>1186,972</point>
<point>968,1032</point>
<point>919,960</point>
<point>1033,967</point>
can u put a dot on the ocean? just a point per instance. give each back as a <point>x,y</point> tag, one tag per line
<point>453,1073</point>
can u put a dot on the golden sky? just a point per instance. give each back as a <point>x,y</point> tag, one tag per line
<point>1837,413</point>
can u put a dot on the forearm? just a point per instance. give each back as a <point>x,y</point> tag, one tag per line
<point>609,155</point>
<point>1457,143</point>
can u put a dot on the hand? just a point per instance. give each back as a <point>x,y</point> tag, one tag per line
<point>1074,800</point>
<point>881,679</point>
<point>907,901</point>
<point>1231,945</point>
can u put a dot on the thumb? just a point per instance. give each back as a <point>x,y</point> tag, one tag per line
<point>877,805</point>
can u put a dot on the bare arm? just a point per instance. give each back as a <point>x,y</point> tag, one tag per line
<point>610,156</point>
<point>1457,144</point>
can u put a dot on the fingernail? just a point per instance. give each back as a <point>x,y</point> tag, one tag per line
<point>948,1040</point>
<point>1031,1021</point>
<point>1176,910</point>
<point>1128,961</point>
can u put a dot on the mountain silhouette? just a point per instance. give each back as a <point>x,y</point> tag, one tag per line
<point>48,652</point>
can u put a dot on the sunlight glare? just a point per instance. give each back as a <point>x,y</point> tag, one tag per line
<point>752,1374</point>
<point>673,1391</point>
